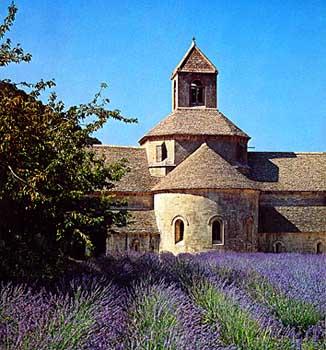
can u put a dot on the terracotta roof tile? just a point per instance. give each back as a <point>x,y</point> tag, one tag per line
<point>288,171</point>
<point>204,169</point>
<point>195,121</point>
<point>138,179</point>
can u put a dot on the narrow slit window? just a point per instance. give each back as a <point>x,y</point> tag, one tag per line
<point>179,231</point>
<point>217,234</point>
<point>278,247</point>
<point>135,245</point>
<point>319,248</point>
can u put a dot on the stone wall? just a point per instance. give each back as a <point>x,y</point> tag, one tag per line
<point>127,242</point>
<point>208,80</point>
<point>198,209</point>
<point>299,242</point>
<point>226,146</point>
<point>180,147</point>
<point>161,168</point>
<point>297,221</point>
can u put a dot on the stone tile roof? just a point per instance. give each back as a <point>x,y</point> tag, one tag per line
<point>140,221</point>
<point>195,121</point>
<point>194,61</point>
<point>288,171</point>
<point>204,169</point>
<point>277,171</point>
<point>138,178</point>
<point>292,219</point>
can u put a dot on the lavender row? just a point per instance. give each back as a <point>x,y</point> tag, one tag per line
<point>147,302</point>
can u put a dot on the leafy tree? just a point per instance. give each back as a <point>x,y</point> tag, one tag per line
<point>9,54</point>
<point>51,198</point>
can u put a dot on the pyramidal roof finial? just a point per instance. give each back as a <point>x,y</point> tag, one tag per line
<point>194,41</point>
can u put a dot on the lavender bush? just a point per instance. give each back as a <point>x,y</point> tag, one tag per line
<point>205,301</point>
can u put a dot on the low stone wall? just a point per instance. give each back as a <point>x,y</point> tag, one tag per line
<point>126,242</point>
<point>299,242</point>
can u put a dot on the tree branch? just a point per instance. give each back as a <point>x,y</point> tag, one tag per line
<point>16,176</point>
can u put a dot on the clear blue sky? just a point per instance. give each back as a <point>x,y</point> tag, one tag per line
<point>271,56</point>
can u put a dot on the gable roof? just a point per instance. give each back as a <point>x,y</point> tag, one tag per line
<point>204,169</point>
<point>194,61</point>
<point>288,171</point>
<point>195,121</point>
<point>138,178</point>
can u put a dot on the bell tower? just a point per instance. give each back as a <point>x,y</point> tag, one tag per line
<point>195,119</point>
<point>194,81</point>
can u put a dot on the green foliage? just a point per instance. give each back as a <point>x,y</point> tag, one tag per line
<point>51,202</point>
<point>236,325</point>
<point>153,320</point>
<point>291,312</point>
<point>9,54</point>
<point>71,324</point>
<point>65,319</point>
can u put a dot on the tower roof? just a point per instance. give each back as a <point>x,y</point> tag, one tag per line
<point>204,169</point>
<point>194,61</point>
<point>195,121</point>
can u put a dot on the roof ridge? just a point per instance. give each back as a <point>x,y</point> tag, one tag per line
<point>309,153</point>
<point>117,146</point>
<point>196,108</point>
<point>293,152</point>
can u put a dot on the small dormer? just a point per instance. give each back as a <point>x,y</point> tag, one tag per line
<point>194,81</point>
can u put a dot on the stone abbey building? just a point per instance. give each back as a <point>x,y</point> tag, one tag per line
<point>193,186</point>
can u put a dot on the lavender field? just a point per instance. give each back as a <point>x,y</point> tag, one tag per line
<point>206,301</point>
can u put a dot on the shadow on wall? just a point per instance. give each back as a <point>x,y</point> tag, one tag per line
<point>262,167</point>
<point>270,221</point>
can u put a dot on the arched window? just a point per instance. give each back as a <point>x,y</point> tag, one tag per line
<point>217,232</point>
<point>196,93</point>
<point>319,248</point>
<point>179,229</point>
<point>278,247</point>
<point>135,245</point>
